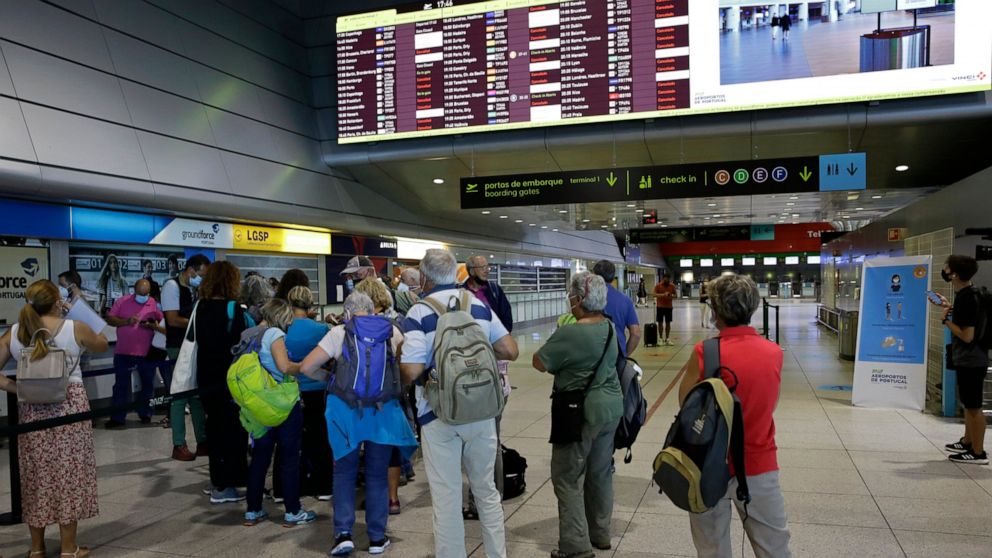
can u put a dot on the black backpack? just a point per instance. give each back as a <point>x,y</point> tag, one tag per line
<point>514,468</point>
<point>983,331</point>
<point>692,468</point>
<point>635,407</point>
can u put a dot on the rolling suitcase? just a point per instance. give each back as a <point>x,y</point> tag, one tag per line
<point>651,335</point>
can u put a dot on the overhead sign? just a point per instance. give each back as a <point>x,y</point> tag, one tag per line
<point>271,239</point>
<point>843,172</point>
<point>189,232</point>
<point>898,234</point>
<point>19,267</point>
<point>732,178</point>
<point>702,234</point>
<point>891,364</point>
<point>915,4</point>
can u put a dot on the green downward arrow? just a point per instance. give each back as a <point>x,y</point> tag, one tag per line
<point>612,179</point>
<point>805,175</point>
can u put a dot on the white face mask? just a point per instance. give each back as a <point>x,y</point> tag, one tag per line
<point>403,287</point>
<point>64,292</point>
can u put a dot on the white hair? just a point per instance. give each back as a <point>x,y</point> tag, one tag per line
<point>358,303</point>
<point>590,288</point>
<point>439,267</point>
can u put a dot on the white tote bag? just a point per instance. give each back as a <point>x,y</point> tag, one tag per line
<point>184,372</point>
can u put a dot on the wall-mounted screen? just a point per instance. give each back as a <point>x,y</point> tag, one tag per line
<point>705,262</point>
<point>770,261</point>
<point>685,263</point>
<point>792,260</point>
<point>748,261</point>
<point>876,6</point>
<point>813,259</point>
<point>726,261</point>
<point>424,70</point>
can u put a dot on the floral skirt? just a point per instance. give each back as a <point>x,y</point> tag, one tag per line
<point>58,465</point>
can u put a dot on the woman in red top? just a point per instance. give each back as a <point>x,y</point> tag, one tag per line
<point>757,365</point>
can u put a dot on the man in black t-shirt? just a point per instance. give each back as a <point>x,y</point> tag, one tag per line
<point>971,361</point>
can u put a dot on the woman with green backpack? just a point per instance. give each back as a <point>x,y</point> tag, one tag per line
<point>274,358</point>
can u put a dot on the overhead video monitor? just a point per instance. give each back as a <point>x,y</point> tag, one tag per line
<point>706,262</point>
<point>685,263</point>
<point>813,259</point>
<point>878,6</point>
<point>747,262</point>
<point>421,70</point>
<point>726,262</point>
<point>792,260</point>
<point>770,261</point>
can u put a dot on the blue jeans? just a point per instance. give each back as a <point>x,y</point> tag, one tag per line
<point>287,436</point>
<point>123,366</point>
<point>376,490</point>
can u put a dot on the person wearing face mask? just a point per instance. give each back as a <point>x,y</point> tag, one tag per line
<point>971,361</point>
<point>135,316</point>
<point>177,305</point>
<point>69,286</point>
<point>358,268</point>
<point>408,290</point>
<point>582,356</point>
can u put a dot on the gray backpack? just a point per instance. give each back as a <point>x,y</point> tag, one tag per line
<point>465,385</point>
<point>692,468</point>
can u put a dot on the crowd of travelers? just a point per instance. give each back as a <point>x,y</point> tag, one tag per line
<point>373,386</point>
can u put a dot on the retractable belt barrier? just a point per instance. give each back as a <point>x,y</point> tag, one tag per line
<point>15,427</point>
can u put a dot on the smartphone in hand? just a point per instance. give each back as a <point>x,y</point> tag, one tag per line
<point>934,298</point>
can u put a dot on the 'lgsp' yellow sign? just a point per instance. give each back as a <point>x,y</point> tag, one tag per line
<point>251,237</point>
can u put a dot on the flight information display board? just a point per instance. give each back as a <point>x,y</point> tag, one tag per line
<point>457,66</point>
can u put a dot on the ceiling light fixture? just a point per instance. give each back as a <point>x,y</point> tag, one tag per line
<point>795,215</point>
<point>585,220</point>
<point>638,211</point>
<point>554,230</point>
<point>602,226</point>
<point>859,209</point>
<point>717,215</point>
<point>706,218</point>
<point>504,216</point>
<point>486,212</point>
<point>438,181</point>
<point>562,211</point>
<point>544,226</point>
<point>790,204</point>
<point>532,225</point>
<point>876,197</point>
<point>794,197</point>
<point>902,168</point>
<point>720,222</point>
<point>518,220</point>
<point>631,205</point>
<point>711,205</point>
<point>664,226</point>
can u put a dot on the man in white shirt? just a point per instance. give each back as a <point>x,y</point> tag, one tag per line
<point>446,447</point>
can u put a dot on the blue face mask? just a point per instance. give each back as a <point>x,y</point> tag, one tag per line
<point>141,299</point>
<point>195,281</point>
<point>350,285</point>
<point>63,292</point>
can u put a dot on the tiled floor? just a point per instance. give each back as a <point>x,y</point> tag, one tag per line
<point>857,482</point>
<point>818,49</point>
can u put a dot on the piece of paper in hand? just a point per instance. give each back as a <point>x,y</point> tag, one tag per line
<point>80,311</point>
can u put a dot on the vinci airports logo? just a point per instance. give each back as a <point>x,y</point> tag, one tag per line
<point>31,267</point>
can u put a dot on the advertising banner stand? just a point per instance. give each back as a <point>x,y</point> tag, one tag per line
<point>890,369</point>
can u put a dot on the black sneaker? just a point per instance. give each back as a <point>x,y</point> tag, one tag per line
<point>957,447</point>
<point>378,547</point>
<point>113,424</point>
<point>343,545</point>
<point>970,458</point>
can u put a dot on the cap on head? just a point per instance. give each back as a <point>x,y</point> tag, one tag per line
<point>356,263</point>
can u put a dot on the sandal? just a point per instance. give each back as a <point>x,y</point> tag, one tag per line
<point>81,552</point>
<point>583,554</point>
<point>37,552</point>
<point>470,514</point>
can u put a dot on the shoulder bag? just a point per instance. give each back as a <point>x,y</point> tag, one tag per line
<point>43,380</point>
<point>184,373</point>
<point>568,407</point>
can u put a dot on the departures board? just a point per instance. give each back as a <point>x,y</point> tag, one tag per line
<point>451,66</point>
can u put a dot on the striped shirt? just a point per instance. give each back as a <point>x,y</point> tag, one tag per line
<point>418,339</point>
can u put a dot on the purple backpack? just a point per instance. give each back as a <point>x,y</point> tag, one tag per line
<point>368,373</point>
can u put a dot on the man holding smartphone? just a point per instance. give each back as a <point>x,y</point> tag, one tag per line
<point>135,316</point>
<point>970,360</point>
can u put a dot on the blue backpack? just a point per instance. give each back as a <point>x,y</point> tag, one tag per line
<point>368,373</point>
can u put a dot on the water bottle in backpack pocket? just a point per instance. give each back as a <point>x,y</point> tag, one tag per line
<point>465,384</point>
<point>367,374</point>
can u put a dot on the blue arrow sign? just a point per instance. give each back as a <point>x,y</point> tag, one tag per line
<point>847,171</point>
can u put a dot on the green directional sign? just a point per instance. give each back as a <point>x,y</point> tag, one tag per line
<point>731,178</point>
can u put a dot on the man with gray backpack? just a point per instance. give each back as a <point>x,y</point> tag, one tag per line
<point>451,344</point>
<point>722,445</point>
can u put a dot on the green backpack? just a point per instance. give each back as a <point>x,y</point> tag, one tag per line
<point>264,401</point>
